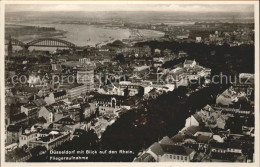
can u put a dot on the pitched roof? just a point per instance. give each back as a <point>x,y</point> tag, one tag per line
<point>36,150</point>
<point>33,111</point>
<point>63,57</point>
<point>39,102</point>
<point>14,128</point>
<point>105,97</point>
<point>58,104</point>
<point>208,108</point>
<point>177,71</point>
<point>18,117</point>
<point>33,97</point>
<point>79,132</point>
<point>178,138</point>
<point>146,157</point>
<point>226,145</point>
<point>17,153</point>
<point>203,139</point>
<point>153,91</point>
<point>59,94</point>
<point>33,121</point>
<point>85,105</point>
<point>156,149</point>
<point>175,149</point>
<point>166,140</point>
<point>198,118</point>
<point>192,130</point>
<point>41,120</point>
<point>189,61</point>
<point>66,121</point>
<point>45,131</point>
<point>28,89</point>
<point>50,108</point>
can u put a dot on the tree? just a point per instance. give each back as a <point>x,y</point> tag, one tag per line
<point>81,114</point>
<point>140,91</point>
<point>120,58</point>
<point>126,92</point>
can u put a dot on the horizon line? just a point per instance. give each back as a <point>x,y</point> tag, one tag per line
<point>133,11</point>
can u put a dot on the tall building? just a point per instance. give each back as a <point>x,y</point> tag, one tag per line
<point>76,91</point>
<point>85,75</point>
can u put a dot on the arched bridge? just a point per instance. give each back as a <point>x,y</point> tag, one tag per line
<point>43,42</point>
<point>15,42</point>
<point>51,42</point>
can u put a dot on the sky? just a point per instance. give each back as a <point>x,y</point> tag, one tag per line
<point>131,7</point>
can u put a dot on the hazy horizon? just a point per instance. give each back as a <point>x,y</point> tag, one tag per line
<point>211,8</point>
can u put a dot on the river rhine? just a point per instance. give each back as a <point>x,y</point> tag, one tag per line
<point>84,34</point>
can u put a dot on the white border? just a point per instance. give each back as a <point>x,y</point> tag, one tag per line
<point>132,2</point>
<point>166,164</point>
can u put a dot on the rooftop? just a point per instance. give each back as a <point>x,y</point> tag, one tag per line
<point>14,128</point>
<point>66,121</point>
<point>146,157</point>
<point>175,149</point>
<point>59,94</point>
<point>39,102</point>
<point>18,117</point>
<point>166,140</point>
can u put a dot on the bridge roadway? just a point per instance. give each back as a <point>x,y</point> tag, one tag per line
<point>42,42</point>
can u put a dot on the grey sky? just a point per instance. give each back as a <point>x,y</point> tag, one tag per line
<point>132,7</point>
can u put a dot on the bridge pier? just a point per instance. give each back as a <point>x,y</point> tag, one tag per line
<point>25,47</point>
<point>73,50</point>
<point>25,50</point>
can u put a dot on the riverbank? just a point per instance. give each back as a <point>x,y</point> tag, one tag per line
<point>83,35</point>
<point>27,32</point>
